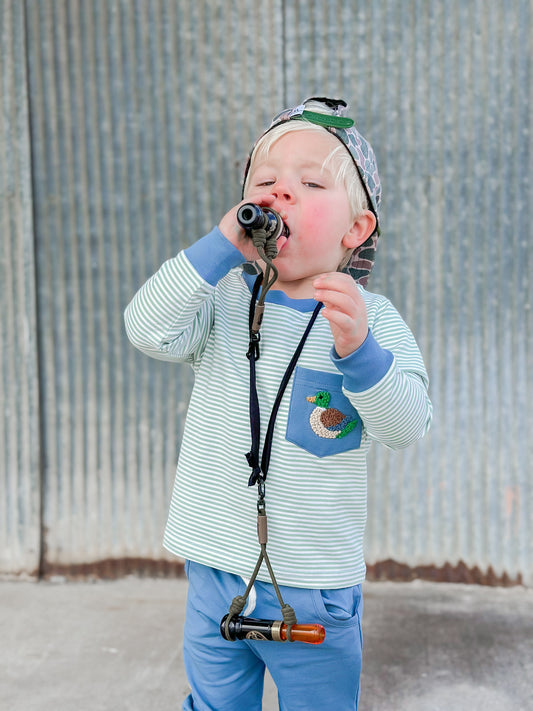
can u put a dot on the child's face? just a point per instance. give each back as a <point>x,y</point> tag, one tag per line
<point>313,204</point>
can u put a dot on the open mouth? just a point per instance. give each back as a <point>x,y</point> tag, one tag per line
<point>285,232</point>
<point>283,237</point>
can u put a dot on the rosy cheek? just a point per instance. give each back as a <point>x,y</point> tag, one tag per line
<point>317,215</point>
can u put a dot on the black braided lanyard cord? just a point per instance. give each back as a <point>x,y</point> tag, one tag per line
<point>260,469</point>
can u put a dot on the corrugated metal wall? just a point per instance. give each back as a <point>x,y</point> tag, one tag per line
<point>455,122</point>
<point>141,114</point>
<point>138,111</point>
<point>19,399</point>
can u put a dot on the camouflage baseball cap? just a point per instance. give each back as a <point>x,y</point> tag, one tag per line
<point>330,113</point>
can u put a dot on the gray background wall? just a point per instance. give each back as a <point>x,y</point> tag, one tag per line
<point>124,126</point>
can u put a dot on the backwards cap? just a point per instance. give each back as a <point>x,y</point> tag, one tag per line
<point>329,113</point>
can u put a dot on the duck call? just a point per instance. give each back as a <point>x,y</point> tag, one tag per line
<point>270,630</point>
<point>254,217</point>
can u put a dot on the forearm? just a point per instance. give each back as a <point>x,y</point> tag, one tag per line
<point>171,315</point>
<point>392,401</point>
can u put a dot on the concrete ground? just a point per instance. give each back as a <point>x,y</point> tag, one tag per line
<point>115,646</point>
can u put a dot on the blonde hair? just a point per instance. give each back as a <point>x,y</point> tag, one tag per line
<point>339,162</point>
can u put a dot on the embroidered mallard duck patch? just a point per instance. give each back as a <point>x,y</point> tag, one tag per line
<point>322,420</point>
<point>328,422</point>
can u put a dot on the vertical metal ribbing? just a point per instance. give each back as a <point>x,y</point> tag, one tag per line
<point>144,113</point>
<point>19,380</point>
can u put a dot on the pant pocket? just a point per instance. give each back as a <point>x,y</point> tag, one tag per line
<point>339,607</point>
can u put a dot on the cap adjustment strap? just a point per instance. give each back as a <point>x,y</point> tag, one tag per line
<point>327,120</point>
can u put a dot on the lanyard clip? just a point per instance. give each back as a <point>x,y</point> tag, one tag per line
<point>261,507</point>
<point>253,346</point>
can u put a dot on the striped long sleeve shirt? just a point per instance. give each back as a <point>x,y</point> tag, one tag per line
<point>195,310</point>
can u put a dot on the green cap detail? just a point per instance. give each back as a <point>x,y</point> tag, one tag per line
<point>328,120</point>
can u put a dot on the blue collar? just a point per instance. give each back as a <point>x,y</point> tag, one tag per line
<point>275,296</point>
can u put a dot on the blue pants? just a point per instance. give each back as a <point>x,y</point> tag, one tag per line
<point>228,676</point>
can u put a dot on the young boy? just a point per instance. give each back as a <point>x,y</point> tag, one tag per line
<point>359,377</point>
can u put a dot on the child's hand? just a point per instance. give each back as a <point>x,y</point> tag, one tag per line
<point>345,310</point>
<point>233,232</point>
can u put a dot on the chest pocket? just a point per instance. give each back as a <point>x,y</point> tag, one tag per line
<point>321,418</point>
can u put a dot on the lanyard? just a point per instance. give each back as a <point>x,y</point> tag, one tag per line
<point>260,469</point>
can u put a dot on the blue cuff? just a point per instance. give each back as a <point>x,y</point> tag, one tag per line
<point>213,256</point>
<point>365,367</point>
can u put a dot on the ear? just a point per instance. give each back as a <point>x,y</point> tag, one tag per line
<point>360,231</point>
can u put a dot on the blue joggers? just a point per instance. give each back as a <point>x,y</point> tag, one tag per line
<point>228,676</point>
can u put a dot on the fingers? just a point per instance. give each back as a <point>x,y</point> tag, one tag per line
<point>345,310</point>
<point>263,200</point>
<point>338,291</point>
<point>231,229</point>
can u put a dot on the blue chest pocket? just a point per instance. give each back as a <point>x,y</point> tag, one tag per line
<point>321,418</point>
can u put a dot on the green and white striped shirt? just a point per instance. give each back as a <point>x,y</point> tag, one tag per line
<point>195,310</point>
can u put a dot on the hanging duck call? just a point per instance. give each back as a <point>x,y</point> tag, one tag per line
<point>270,630</point>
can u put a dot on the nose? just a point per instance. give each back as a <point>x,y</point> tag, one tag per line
<point>282,191</point>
